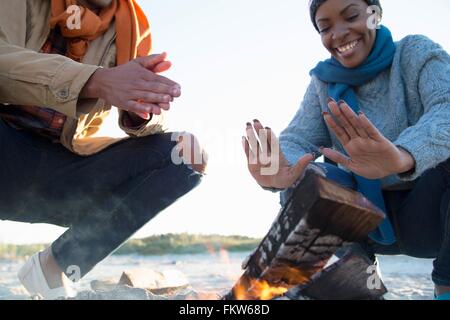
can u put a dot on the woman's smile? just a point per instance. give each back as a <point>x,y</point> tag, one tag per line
<point>348,49</point>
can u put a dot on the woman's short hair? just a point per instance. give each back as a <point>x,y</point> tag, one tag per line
<point>314,5</point>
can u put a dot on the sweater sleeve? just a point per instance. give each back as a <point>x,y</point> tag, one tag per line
<point>307,131</point>
<point>428,141</point>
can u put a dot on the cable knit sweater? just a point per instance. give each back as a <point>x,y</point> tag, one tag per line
<point>409,103</point>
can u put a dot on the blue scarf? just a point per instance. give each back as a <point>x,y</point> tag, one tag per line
<point>341,82</point>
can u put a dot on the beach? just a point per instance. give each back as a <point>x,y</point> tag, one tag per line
<point>215,273</point>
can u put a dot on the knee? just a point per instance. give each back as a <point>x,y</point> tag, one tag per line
<point>437,177</point>
<point>444,169</point>
<point>189,151</point>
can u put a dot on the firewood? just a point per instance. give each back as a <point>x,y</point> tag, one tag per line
<point>351,278</point>
<point>316,221</point>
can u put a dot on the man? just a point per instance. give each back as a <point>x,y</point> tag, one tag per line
<point>63,65</point>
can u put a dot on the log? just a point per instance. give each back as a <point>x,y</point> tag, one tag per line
<point>318,218</point>
<point>350,278</point>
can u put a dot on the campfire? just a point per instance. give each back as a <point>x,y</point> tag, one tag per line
<point>319,218</point>
<point>296,260</point>
<point>251,289</point>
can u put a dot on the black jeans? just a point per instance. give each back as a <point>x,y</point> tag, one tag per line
<point>103,199</point>
<point>420,216</point>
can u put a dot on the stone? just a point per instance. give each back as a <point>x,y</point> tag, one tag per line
<point>118,293</point>
<point>165,282</point>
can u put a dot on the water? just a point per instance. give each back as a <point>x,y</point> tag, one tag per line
<point>406,278</point>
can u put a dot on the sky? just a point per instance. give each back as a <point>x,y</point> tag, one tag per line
<point>236,61</point>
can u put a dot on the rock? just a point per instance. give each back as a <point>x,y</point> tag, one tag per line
<point>119,293</point>
<point>189,294</point>
<point>141,284</point>
<point>128,293</point>
<point>165,282</point>
<point>104,285</point>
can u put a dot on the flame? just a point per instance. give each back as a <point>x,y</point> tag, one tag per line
<point>210,249</point>
<point>258,290</point>
<point>276,282</point>
<point>224,257</point>
<point>245,289</point>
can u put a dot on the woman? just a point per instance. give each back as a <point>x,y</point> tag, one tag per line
<point>381,111</point>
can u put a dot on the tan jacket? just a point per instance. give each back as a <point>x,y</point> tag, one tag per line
<point>54,81</point>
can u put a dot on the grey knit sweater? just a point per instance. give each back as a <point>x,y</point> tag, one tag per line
<point>409,103</point>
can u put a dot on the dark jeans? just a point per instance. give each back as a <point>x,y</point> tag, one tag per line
<point>420,216</point>
<point>103,199</point>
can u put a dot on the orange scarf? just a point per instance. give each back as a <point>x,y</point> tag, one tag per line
<point>133,37</point>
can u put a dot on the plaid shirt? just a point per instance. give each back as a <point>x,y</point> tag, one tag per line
<point>43,121</point>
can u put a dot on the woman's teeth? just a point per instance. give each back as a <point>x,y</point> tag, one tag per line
<point>348,46</point>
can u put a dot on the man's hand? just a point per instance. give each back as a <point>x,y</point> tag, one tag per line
<point>263,152</point>
<point>135,86</point>
<point>158,65</point>
<point>370,154</point>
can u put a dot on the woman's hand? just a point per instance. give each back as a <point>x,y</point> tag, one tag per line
<point>135,86</point>
<point>370,154</point>
<point>265,161</point>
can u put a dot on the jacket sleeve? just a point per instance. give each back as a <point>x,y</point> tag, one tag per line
<point>44,80</point>
<point>307,131</point>
<point>428,141</point>
<point>155,125</point>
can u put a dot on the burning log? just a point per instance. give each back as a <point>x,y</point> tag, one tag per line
<point>319,217</point>
<point>350,278</point>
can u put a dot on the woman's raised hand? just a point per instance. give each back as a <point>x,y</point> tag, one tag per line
<point>370,154</point>
<point>265,160</point>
